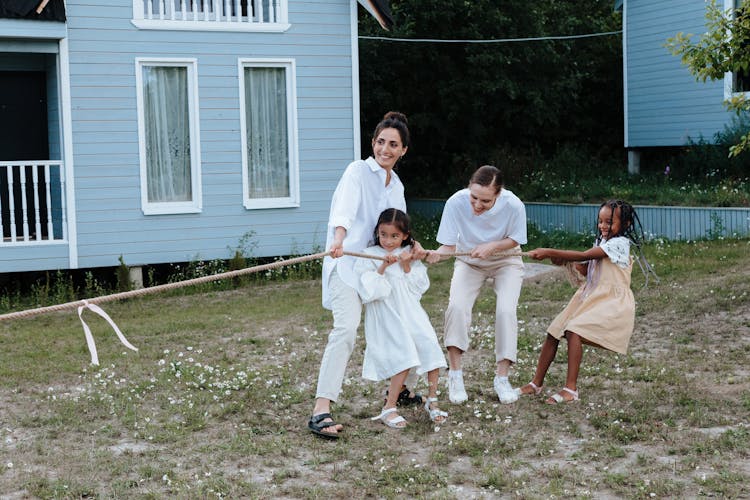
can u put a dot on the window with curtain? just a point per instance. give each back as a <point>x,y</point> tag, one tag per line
<point>268,134</point>
<point>169,159</point>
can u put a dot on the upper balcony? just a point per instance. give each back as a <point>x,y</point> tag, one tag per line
<point>212,15</point>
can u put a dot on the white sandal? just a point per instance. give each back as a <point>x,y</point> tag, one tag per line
<point>557,398</point>
<point>392,423</point>
<point>435,413</point>
<point>537,390</point>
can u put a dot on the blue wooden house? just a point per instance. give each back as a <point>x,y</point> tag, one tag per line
<point>167,130</point>
<point>664,104</point>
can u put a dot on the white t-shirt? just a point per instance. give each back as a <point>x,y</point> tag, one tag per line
<point>360,197</point>
<point>460,227</point>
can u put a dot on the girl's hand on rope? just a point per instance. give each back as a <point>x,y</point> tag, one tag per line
<point>546,253</point>
<point>539,253</point>
<point>405,259</point>
<point>433,257</point>
<point>387,261</point>
<point>418,252</point>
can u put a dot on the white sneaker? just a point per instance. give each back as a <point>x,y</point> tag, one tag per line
<point>456,391</point>
<point>504,391</point>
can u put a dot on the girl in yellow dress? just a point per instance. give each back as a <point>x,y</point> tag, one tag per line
<point>602,311</point>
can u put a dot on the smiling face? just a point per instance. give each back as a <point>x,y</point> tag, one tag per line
<point>609,222</point>
<point>387,148</point>
<point>390,237</point>
<point>482,198</point>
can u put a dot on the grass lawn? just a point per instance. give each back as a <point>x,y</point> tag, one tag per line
<point>215,402</point>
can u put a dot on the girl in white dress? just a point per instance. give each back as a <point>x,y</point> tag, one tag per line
<point>398,332</point>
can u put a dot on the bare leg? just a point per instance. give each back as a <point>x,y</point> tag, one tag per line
<point>503,367</point>
<point>390,402</point>
<point>546,357</point>
<point>432,382</point>
<point>575,355</point>
<point>454,357</point>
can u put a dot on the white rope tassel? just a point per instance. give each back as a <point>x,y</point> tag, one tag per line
<point>90,338</point>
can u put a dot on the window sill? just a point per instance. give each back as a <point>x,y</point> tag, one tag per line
<point>270,203</point>
<point>171,210</point>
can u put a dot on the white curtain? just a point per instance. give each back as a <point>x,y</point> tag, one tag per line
<point>167,118</point>
<point>267,140</point>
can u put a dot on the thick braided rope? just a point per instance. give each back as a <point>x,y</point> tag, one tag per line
<point>498,255</point>
<point>172,286</point>
<point>205,279</point>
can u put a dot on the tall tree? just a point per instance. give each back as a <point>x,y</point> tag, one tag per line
<point>724,48</point>
<point>473,103</point>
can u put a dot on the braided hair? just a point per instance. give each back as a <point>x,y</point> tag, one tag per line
<point>630,228</point>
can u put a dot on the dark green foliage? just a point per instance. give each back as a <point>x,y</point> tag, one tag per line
<point>123,276</point>
<point>511,104</point>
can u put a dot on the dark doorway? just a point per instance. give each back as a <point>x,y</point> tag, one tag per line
<point>24,137</point>
<point>23,115</point>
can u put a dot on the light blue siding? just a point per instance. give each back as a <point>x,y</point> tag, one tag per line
<point>665,105</point>
<point>103,46</point>
<point>674,223</point>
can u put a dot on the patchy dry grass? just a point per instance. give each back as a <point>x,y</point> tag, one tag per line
<point>216,401</point>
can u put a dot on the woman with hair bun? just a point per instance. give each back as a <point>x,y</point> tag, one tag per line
<point>366,188</point>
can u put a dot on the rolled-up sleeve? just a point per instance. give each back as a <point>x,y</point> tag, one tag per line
<point>448,230</point>
<point>518,225</point>
<point>346,199</point>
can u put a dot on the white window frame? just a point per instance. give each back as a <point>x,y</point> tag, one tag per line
<point>729,6</point>
<point>196,204</point>
<point>293,200</point>
<point>172,20</point>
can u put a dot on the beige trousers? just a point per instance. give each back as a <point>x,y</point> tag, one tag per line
<point>468,278</point>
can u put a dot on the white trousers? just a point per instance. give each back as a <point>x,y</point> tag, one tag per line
<point>346,307</point>
<point>466,283</point>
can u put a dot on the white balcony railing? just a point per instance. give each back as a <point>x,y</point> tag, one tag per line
<point>212,15</point>
<point>32,202</point>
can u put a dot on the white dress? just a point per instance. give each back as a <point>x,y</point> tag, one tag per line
<point>398,331</point>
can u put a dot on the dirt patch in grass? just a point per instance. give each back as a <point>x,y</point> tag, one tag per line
<point>216,402</point>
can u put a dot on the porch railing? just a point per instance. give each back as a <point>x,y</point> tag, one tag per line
<point>219,14</point>
<point>32,201</point>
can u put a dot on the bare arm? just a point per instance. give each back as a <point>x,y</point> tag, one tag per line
<point>559,257</point>
<point>434,256</point>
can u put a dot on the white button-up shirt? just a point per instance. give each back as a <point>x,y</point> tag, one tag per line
<point>360,197</point>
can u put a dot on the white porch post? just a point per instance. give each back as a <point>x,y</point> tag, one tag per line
<point>67,136</point>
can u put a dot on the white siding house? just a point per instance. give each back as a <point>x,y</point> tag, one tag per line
<point>168,130</point>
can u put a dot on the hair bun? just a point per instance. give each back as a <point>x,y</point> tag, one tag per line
<point>396,115</point>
